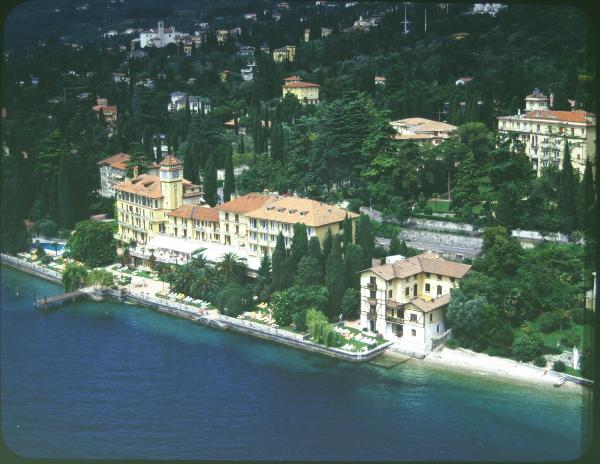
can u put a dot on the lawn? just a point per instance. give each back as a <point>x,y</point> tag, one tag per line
<point>439,206</point>
<point>552,338</point>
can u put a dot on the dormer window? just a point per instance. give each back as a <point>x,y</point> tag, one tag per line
<point>292,211</point>
<point>303,213</point>
<point>270,208</point>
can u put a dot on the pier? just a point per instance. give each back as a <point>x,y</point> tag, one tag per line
<point>46,302</point>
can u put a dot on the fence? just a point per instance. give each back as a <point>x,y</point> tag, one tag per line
<point>439,340</point>
<point>32,268</point>
<point>261,327</point>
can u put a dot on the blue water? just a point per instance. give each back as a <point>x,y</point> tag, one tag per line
<point>49,247</point>
<point>118,381</point>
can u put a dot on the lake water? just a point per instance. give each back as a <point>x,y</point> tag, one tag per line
<point>119,381</point>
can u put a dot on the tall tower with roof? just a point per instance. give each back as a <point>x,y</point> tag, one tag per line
<point>171,182</point>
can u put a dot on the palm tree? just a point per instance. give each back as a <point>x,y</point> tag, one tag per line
<point>205,284</point>
<point>233,268</point>
<point>55,246</point>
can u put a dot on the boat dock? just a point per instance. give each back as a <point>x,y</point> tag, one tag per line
<point>46,302</point>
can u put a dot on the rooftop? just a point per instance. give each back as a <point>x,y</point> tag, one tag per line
<point>245,203</point>
<point>423,125</point>
<point>300,210</point>
<point>433,303</point>
<point>425,262</point>
<point>170,160</point>
<point>118,161</point>
<point>145,185</point>
<point>201,213</point>
<point>577,116</point>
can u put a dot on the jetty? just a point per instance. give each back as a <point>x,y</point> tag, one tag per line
<point>46,302</point>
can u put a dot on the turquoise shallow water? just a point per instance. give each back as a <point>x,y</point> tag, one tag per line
<point>113,380</point>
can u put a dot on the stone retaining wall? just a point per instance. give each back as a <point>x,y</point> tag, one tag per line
<point>440,238</point>
<point>31,268</point>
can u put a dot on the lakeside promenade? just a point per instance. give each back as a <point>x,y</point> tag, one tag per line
<point>458,359</point>
<point>140,295</point>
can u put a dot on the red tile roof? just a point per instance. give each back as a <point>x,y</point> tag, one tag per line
<point>564,116</point>
<point>245,204</point>
<point>118,161</point>
<point>201,213</point>
<point>169,160</point>
<point>296,85</point>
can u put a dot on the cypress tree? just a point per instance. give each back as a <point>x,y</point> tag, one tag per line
<point>586,199</point>
<point>347,232</point>
<point>567,193</point>
<point>353,263</point>
<point>53,200</point>
<point>263,278</point>
<point>365,237</point>
<point>334,277</point>
<point>314,251</point>
<point>210,181</point>
<point>395,246</point>
<point>65,194</point>
<point>327,241</point>
<point>277,142</point>
<point>229,185</point>
<point>13,235</point>
<point>299,247</point>
<point>278,265</point>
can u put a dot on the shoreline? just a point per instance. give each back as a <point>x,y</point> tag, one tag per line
<point>484,365</point>
<point>455,360</point>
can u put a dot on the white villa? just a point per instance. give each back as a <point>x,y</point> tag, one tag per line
<point>421,130</point>
<point>159,38</point>
<point>405,300</point>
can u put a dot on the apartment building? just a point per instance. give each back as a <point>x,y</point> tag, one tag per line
<point>542,133</point>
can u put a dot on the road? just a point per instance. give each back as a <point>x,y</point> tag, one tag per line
<point>447,249</point>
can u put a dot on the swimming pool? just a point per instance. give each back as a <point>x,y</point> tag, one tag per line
<point>49,247</point>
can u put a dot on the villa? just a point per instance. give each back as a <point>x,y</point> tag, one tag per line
<point>404,300</point>
<point>421,130</point>
<point>305,92</point>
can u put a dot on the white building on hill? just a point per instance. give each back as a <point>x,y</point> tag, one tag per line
<point>159,37</point>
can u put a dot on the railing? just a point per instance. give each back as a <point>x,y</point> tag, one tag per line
<point>371,316</point>
<point>261,327</point>
<point>391,303</point>
<point>372,286</point>
<point>371,300</point>
<point>32,266</point>
<point>394,320</point>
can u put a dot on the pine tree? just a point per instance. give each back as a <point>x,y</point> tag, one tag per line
<point>334,277</point>
<point>210,181</point>
<point>13,235</point>
<point>567,193</point>
<point>279,263</point>
<point>229,185</point>
<point>53,200</point>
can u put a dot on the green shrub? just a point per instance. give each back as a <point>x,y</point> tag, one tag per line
<point>527,346</point>
<point>540,361</point>
<point>582,316</point>
<point>501,337</point>
<point>559,366</point>
<point>428,210</point>
<point>570,339</point>
<point>451,343</point>
<point>548,322</point>
<point>552,349</point>
<point>502,351</point>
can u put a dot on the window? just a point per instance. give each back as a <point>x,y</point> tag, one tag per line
<point>415,290</point>
<point>414,332</point>
<point>413,317</point>
<point>407,291</point>
<point>389,294</point>
<point>439,277</point>
<point>372,280</point>
<point>437,328</point>
<point>428,275</point>
<point>452,279</point>
<point>227,216</point>
<point>237,218</point>
<point>431,318</point>
<point>427,288</point>
<point>372,294</point>
<point>373,308</point>
<point>572,131</point>
<point>439,290</point>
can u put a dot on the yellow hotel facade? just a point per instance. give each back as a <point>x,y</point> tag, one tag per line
<point>305,92</point>
<point>168,211</point>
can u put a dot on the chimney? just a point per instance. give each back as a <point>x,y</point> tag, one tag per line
<point>551,100</point>
<point>136,170</point>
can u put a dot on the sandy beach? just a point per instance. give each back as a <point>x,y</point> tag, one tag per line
<point>483,364</point>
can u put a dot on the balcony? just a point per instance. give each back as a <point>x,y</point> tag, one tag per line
<point>371,316</point>
<point>372,286</point>
<point>371,300</point>
<point>391,303</point>
<point>394,320</point>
